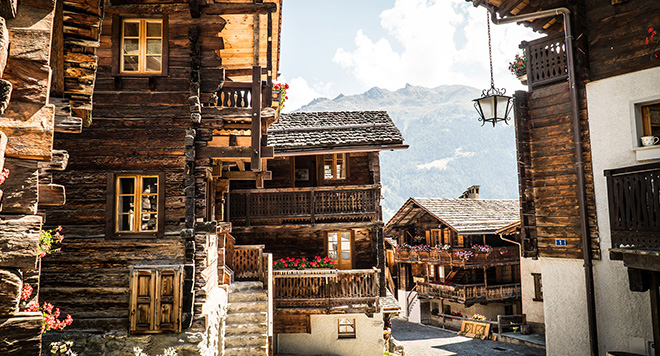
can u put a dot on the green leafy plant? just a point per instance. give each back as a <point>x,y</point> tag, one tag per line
<point>49,238</point>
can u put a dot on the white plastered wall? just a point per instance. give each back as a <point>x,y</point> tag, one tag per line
<point>624,321</point>
<point>531,308</point>
<point>324,340</point>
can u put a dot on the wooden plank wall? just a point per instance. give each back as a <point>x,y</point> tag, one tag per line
<point>552,175</point>
<point>139,125</point>
<point>616,36</point>
<point>308,243</point>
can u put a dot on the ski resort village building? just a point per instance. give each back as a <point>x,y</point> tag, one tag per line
<point>589,170</point>
<point>191,203</point>
<point>456,258</point>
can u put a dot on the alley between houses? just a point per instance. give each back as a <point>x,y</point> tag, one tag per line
<point>423,340</point>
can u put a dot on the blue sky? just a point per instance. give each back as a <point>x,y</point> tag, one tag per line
<point>348,46</point>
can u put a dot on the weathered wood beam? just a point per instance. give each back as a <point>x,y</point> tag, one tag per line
<point>58,162</point>
<point>68,124</point>
<point>21,334</point>
<point>21,187</point>
<point>232,152</point>
<point>220,8</point>
<point>19,241</point>
<point>247,175</point>
<point>10,291</point>
<point>52,195</point>
<point>29,128</point>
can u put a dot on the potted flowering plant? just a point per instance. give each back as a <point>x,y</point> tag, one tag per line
<point>422,251</point>
<point>303,263</point>
<point>519,67</point>
<point>403,250</point>
<point>279,94</point>
<point>654,41</point>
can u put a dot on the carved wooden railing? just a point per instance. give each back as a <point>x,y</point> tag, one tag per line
<point>546,60</point>
<point>308,204</point>
<point>470,293</point>
<point>499,256</point>
<point>325,288</point>
<point>239,95</point>
<point>634,204</point>
<point>248,262</point>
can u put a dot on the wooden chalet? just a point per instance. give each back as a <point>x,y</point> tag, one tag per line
<point>323,199</point>
<point>458,256</point>
<point>588,183</point>
<point>175,98</point>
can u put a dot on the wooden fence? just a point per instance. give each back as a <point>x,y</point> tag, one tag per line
<point>311,204</point>
<point>634,204</point>
<point>546,60</point>
<point>470,293</point>
<point>325,288</point>
<point>499,256</point>
<point>248,262</point>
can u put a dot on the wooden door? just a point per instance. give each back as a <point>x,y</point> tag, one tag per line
<point>340,249</point>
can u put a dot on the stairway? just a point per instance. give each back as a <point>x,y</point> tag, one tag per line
<point>246,329</point>
<point>455,276</point>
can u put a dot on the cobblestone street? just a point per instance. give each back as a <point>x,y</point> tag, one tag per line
<point>422,340</point>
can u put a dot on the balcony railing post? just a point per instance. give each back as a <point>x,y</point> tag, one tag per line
<point>255,160</point>
<point>312,206</point>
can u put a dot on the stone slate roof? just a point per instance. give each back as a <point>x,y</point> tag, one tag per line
<point>466,216</point>
<point>327,130</point>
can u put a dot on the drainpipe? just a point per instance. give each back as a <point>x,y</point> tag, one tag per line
<point>579,164</point>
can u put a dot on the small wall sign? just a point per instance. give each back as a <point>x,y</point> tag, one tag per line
<point>560,242</point>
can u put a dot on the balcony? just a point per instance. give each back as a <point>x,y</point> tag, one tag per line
<point>498,257</point>
<point>326,289</point>
<point>470,293</point>
<point>285,206</point>
<point>634,205</point>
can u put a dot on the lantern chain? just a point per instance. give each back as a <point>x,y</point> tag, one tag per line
<point>490,51</point>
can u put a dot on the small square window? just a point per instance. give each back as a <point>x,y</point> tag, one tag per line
<point>135,205</point>
<point>139,46</point>
<point>651,120</point>
<point>346,328</point>
<point>334,166</point>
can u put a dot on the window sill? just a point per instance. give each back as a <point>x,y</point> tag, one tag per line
<point>537,300</point>
<point>341,337</point>
<point>647,153</point>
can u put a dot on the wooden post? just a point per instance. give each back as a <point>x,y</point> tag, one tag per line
<point>255,162</point>
<point>312,206</point>
<point>655,310</point>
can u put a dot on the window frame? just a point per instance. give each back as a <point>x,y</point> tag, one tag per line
<point>117,45</point>
<point>538,287</point>
<point>346,334</point>
<point>647,128</point>
<point>334,166</point>
<point>112,209</point>
<point>339,251</point>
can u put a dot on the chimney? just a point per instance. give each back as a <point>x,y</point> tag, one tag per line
<point>471,193</point>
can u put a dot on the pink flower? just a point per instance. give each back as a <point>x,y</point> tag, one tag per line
<point>26,292</point>
<point>42,254</point>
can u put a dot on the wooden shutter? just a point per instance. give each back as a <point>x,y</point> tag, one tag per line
<point>428,237</point>
<point>167,302</point>
<point>155,303</point>
<point>143,284</point>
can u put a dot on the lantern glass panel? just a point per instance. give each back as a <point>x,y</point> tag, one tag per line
<point>502,106</point>
<point>487,105</point>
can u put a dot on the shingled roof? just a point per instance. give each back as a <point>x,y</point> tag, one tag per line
<point>466,216</point>
<point>313,131</point>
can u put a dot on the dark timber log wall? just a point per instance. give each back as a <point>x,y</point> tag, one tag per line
<point>549,172</point>
<point>139,126</point>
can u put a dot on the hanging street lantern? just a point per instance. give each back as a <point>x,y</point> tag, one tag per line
<point>493,106</point>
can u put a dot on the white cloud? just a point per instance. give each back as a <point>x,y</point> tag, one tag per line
<point>301,93</point>
<point>442,41</point>
<point>443,163</point>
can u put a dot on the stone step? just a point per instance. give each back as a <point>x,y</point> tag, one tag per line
<point>246,329</point>
<point>245,318</point>
<point>247,351</point>
<point>245,286</point>
<point>251,340</point>
<point>247,307</point>
<point>247,297</point>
